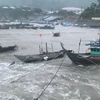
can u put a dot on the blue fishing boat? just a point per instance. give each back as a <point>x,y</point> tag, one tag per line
<point>89,58</point>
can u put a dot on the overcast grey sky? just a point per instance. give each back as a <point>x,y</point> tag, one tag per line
<point>48,4</point>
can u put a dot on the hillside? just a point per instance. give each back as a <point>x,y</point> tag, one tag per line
<point>48,4</point>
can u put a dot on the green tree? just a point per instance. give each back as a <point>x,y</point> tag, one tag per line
<point>37,10</point>
<point>92,11</point>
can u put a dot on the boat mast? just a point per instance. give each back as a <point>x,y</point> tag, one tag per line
<point>39,49</point>
<point>41,44</point>
<point>99,36</point>
<point>46,48</point>
<point>79,46</point>
<point>52,47</point>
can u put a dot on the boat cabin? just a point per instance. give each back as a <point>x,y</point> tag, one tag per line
<point>95,51</point>
<point>95,47</point>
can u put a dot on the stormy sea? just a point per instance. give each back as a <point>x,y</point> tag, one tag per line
<point>26,81</point>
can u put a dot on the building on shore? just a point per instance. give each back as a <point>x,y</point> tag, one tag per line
<point>74,10</point>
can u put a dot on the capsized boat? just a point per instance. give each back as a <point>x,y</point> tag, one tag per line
<point>89,58</point>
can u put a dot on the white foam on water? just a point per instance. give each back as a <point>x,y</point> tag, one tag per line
<point>50,89</point>
<point>20,80</point>
<point>3,66</point>
<point>8,96</point>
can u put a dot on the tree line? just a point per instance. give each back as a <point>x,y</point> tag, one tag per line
<point>92,11</point>
<point>17,13</point>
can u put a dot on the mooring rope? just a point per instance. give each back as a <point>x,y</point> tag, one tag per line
<point>51,79</point>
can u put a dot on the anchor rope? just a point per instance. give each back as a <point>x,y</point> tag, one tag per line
<point>51,79</point>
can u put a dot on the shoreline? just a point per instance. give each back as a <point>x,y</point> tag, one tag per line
<point>88,23</point>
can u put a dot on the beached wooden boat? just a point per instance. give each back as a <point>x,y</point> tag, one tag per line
<point>89,58</point>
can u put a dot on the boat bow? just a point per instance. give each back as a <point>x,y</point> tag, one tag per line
<point>65,50</point>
